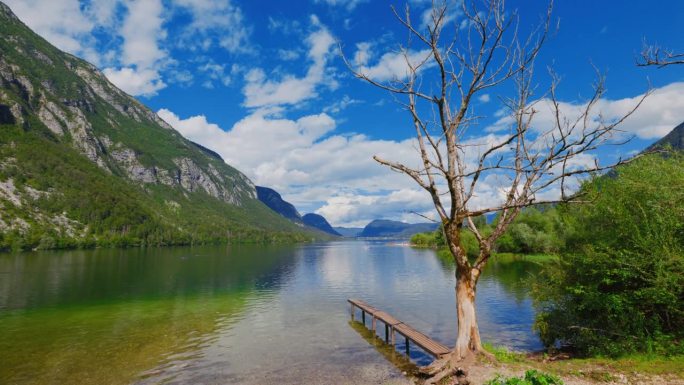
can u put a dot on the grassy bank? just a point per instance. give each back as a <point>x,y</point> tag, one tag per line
<point>634,368</point>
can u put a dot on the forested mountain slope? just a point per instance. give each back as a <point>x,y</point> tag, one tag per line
<point>82,163</point>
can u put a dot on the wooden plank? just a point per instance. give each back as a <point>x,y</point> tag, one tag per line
<point>431,346</point>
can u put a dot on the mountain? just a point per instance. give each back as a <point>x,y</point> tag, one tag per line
<point>319,222</point>
<point>675,139</point>
<point>349,232</point>
<point>84,164</point>
<point>275,202</point>
<point>382,228</point>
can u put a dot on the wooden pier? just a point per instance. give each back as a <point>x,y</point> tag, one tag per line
<point>393,325</point>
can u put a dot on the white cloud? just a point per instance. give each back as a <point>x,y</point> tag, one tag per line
<point>452,13</point>
<point>363,53</point>
<point>219,72</point>
<point>302,153</point>
<point>484,98</point>
<point>221,18</point>
<point>335,175</point>
<point>62,23</point>
<point>357,209</point>
<point>288,54</point>
<point>141,55</point>
<point>285,27</point>
<point>659,113</point>
<point>141,31</point>
<point>349,5</point>
<point>102,11</point>
<point>261,91</point>
<point>134,81</point>
<point>129,39</point>
<point>393,65</point>
<point>341,104</point>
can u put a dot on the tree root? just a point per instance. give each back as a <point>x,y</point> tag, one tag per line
<point>452,367</point>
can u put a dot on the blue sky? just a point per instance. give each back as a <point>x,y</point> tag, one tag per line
<point>263,84</point>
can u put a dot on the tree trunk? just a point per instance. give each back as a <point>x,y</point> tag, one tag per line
<point>468,341</point>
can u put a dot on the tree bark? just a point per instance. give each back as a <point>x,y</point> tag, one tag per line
<point>468,341</point>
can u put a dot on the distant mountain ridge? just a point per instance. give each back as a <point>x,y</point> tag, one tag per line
<point>383,228</point>
<point>275,202</point>
<point>349,232</point>
<point>319,222</point>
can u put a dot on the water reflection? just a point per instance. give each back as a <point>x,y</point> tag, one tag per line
<point>239,314</point>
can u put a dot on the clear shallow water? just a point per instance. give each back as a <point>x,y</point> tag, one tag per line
<point>234,314</point>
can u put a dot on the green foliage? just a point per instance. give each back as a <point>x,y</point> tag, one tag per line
<point>619,286</point>
<point>503,354</point>
<point>534,230</point>
<point>436,240</point>
<point>426,240</point>
<point>108,211</point>
<point>532,377</point>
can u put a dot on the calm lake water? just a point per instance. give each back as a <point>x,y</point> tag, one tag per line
<point>235,314</point>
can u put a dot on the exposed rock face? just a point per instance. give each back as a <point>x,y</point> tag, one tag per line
<point>319,222</point>
<point>76,103</point>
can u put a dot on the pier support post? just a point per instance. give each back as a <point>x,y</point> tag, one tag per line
<point>363,317</point>
<point>373,326</point>
<point>393,336</point>
<point>386,333</point>
<point>352,311</point>
<point>407,348</point>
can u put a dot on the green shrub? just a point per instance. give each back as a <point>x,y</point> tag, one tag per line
<point>619,286</point>
<point>532,377</point>
<point>534,230</point>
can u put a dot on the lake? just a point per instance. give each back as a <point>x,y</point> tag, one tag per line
<point>236,314</point>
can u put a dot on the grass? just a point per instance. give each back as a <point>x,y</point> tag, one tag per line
<point>599,369</point>
<point>640,363</point>
<point>503,354</point>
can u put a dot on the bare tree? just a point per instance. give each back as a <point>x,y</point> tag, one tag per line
<point>485,52</point>
<point>653,55</point>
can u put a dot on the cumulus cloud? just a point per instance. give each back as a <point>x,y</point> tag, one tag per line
<point>357,210</point>
<point>141,55</point>
<point>62,23</point>
<point>391,65</point>
<point>658,114</point>
<point>134,81</point>
<point>137,56</point>
<point>334,175</point>
<point>217,21</point>
<point>262,91</point>
<point>453,12</point>
<point>302,153</point>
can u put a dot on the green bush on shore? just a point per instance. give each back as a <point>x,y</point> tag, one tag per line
<point>618,287</point>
